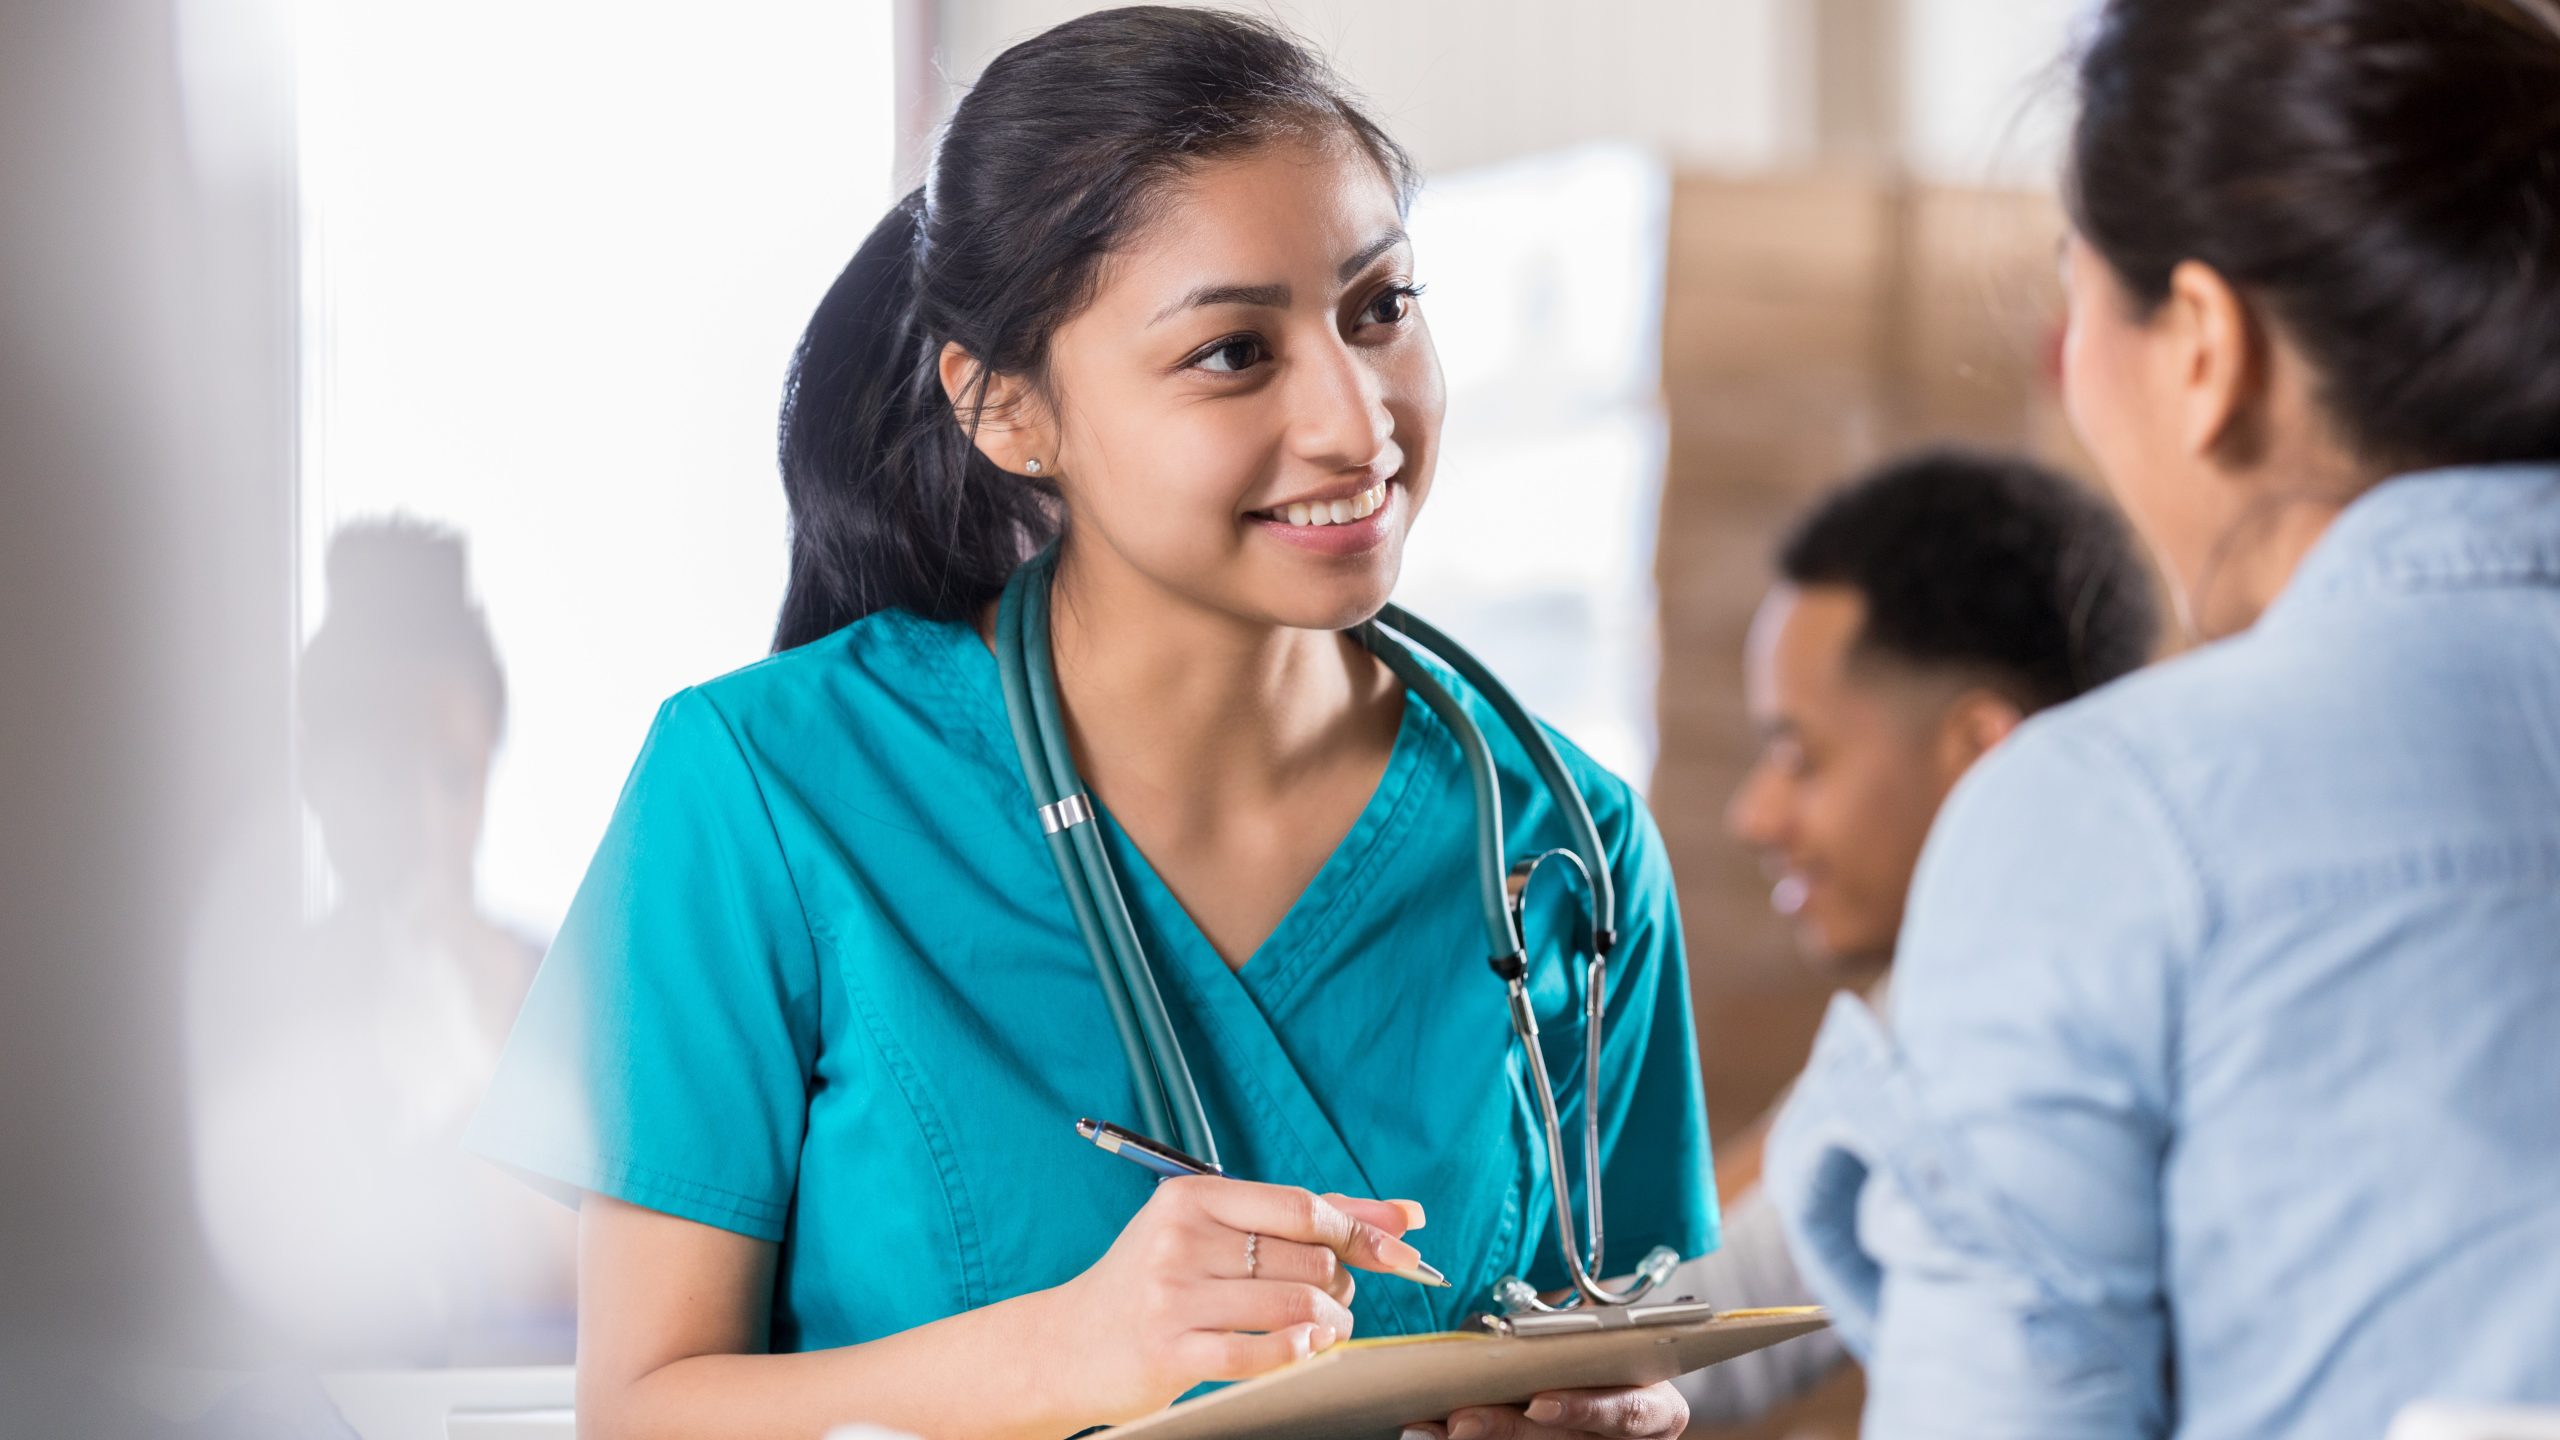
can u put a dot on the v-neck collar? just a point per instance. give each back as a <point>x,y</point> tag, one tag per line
<point>1234,1009</point>
<point>1317,912</point>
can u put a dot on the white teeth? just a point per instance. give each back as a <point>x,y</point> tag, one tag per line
<point>1334,512</point>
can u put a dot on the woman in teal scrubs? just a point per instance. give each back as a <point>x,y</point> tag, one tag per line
<point>811,1044</point>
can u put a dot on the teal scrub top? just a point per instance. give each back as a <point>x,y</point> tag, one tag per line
<point>820,986</point>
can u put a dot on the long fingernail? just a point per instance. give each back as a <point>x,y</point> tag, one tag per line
<point>1416,1432</point>
<point>1546,1410</point>
<point>1466,1427</point>
<point>1413,1217</point>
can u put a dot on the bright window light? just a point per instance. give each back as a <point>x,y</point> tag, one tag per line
<point>555,259</point>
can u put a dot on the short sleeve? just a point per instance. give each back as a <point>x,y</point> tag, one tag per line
<point>664,1054</point>
<point>1976,1188</point>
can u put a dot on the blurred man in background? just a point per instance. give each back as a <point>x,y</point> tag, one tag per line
<point>1920,614</point>
<point>333,1074</point>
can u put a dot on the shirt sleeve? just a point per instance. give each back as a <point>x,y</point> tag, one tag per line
<point>1977,1194</point>
<point>664,1054</point>
<point>1753,1271</point>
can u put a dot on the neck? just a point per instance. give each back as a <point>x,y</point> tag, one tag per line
<point>2256,560</point>
<point>1194,712</point>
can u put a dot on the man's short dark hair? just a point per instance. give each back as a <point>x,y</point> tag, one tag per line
<point>1987,564</point>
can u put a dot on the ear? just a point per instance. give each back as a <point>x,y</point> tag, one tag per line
<point>2220,358</point>
<point>1974,723</point>
<point>1004,414</point>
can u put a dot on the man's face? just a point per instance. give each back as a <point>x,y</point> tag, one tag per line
<point>1856,754</point>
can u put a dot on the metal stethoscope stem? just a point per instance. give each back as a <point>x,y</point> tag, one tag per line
<point>1583,1262</point>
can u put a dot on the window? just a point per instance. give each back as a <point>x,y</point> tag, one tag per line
<point>555,257</point>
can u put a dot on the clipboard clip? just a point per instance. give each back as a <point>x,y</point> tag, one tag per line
<point>1587,1318</point>
<point>1514,1299</point>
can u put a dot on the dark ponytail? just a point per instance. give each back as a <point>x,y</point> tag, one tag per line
<point>2380,177</point>
<point>1048,162</point>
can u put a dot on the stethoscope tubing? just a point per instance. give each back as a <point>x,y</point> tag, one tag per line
<point>1112,957</point>
<point>1582,834</point>
<point>1168,1101</point>
<point>1502,936</point>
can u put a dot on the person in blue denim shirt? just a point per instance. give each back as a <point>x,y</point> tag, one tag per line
<point>1918,615</point>
<point>2220,1092</point>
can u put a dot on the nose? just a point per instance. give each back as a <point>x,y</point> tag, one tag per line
<point>1340,419</point>
<point>1757,813</point>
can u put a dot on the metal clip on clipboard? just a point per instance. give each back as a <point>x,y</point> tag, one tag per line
<point>1524,1312</point>
<point>1595,1317</point>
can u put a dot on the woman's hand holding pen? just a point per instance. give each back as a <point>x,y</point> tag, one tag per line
<point>1218,1279</point>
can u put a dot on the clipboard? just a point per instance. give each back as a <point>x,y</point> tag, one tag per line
<point>1371,1389</point>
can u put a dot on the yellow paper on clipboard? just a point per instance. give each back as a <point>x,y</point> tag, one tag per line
<point>1371,1389</point>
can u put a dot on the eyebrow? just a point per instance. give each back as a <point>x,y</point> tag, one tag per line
<point>1276,296</point>
<point>1394,237</point>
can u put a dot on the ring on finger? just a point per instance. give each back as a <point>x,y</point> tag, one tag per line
<point>1252,1256</point>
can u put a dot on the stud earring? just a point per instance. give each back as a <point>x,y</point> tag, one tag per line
<point>1031,466</point>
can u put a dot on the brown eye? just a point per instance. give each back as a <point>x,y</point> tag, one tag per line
<point>1393,305</point>
<point>1230,356</point>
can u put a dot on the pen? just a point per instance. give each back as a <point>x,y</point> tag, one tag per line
<point>1168,1163</point>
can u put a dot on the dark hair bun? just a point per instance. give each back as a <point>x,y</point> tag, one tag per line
<point>2382,176</point>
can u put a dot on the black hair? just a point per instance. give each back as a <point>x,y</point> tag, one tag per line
<point>1052,158</point>
<point>400,619</point>
<point>1987,565</point>
<point>2380,177</point>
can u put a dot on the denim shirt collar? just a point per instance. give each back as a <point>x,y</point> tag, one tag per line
<point>2437,529</point>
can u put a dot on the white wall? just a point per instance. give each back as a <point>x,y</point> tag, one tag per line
<point>1719,84</point>
<point>1986,88</point>
<point>557,319</point>
<point>1723,83</point>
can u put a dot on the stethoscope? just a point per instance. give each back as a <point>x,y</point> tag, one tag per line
<point>1168,1101</point>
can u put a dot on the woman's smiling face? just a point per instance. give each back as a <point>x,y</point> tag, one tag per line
<point>1253,359</point>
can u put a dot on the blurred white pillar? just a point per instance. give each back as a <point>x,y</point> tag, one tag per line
<point>146,573</point>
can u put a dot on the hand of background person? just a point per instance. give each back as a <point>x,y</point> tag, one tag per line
<point>1652,1412</point>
